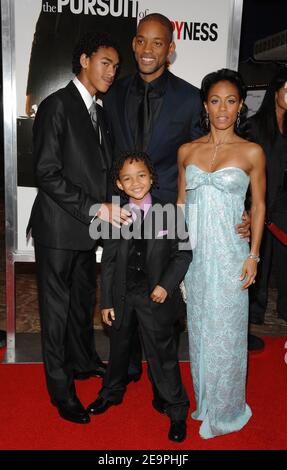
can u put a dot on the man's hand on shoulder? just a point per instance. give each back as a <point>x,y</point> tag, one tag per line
<point>114,214</point>
<point>243,229</point>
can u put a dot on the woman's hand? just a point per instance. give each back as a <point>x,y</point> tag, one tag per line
<point>108,315</point>
<point>249,272</point>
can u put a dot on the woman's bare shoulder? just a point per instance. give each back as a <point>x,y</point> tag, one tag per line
<point>252,149</point>
<point>190,147</point>
<point>249,146</point>
<point>253,153</point>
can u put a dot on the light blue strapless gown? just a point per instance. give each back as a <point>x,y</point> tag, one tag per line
<point>217,307</point>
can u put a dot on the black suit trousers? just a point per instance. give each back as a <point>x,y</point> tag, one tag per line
<point>66,286</point>
<point>160,351</point>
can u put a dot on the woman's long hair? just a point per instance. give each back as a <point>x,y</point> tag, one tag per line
<point>265,119</point>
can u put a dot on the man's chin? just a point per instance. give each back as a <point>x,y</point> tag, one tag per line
<point>146,71</point>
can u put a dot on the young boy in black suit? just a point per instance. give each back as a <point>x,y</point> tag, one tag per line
<point>141,272</point>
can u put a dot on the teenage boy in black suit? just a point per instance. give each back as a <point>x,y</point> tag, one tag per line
<point>73,157</point>
<point>140,284</point>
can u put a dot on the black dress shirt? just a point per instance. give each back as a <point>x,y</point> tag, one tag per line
<point>136,274</point>
<point>156,96</point>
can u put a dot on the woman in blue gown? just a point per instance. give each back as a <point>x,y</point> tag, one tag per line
<point>214,174</point>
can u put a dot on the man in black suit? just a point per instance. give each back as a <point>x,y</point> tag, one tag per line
<point>174,106</point>
<point>73,157</point>
<point>173,117</point>
<point>141,272</point>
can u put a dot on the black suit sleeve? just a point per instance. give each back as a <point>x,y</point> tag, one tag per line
<point>108,265</point>
<point>195,129</point>
<point>49,136</point>
<point>180,258</point>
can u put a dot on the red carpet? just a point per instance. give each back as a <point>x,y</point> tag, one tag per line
<point>28,420</point>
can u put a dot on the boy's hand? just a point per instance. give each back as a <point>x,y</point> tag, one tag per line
<point>108,315</point>
<point>243,229</point>
<point>158,295</point>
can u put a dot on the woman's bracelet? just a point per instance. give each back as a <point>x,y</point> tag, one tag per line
<point>255,257</point>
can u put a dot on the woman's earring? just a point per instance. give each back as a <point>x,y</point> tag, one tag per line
<point>238,119</point>
<point>207,120</point>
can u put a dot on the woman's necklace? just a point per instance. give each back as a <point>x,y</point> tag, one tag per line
<point>212,161</point>
<point>213,157</point>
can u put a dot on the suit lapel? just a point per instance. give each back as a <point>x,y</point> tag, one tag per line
<point>149,220</point>
<point>104,151</point>
<point>105,146</point>
<point>170,104</point>
<point>83,114</point>
<point>122,105</point>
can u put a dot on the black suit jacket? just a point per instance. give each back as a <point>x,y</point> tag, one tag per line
<point>276,194</point>
<point>178,123</point>
<point>166,266</point>
<point>71,170</point>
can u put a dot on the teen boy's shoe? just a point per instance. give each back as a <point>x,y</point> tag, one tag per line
<point>98,372</point>
<point>72,410</point>
<point>100,405</point>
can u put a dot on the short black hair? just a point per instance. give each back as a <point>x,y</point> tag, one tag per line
<point>223,75</point>
<point>219,76</point>
<point>163,20</point>
<point>89,43</point>
<point>132,156</point>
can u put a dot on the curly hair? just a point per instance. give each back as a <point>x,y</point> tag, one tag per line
<point>89,43</point>
<point>230,76</point>
<point>131,157</point>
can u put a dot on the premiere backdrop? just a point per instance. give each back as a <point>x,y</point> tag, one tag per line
<point>45,34</point>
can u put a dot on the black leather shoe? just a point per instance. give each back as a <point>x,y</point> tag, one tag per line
<point>98,372</point>
<point>72,410</point>
<point>158,405</point>
<point>177,431</point>
<point>133,378</point>
<point>100,405</point>
<point>255,343</point>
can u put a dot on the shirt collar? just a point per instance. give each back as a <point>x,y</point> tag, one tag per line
<point>144,205</point>
<point>88,99</point>
<point>158,86</point>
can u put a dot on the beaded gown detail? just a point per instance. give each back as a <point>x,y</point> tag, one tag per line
<point>217,306</point>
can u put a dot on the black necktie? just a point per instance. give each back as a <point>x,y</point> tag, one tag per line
<point>94,118</point>
<point>143,128</point>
